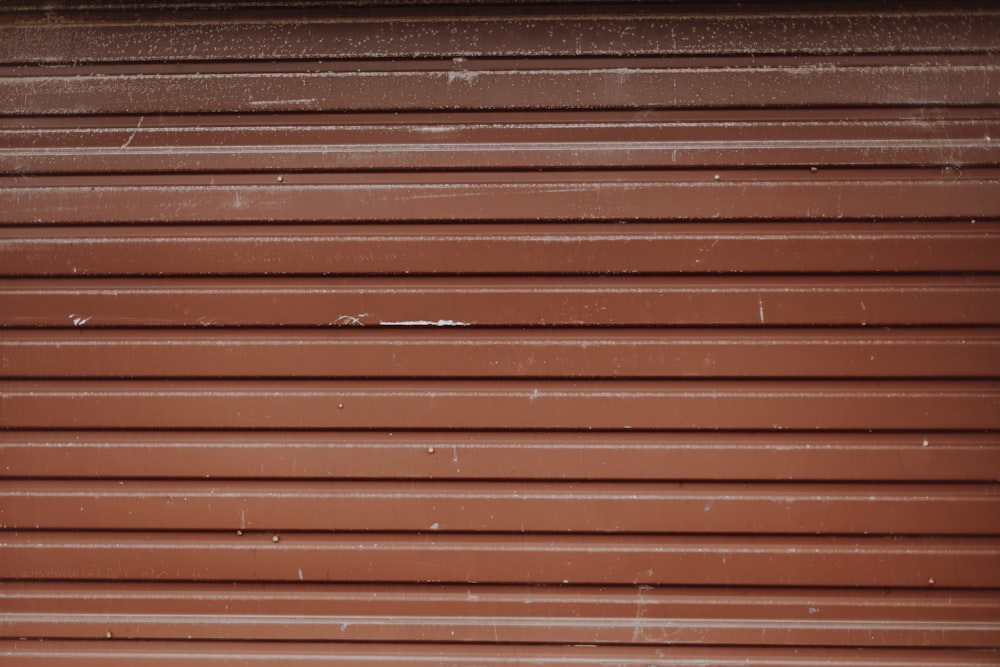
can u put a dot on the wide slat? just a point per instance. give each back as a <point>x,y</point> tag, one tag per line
<point>495,507</point>
<point>472,301</point>
<point>583,456</point>
<point>515,404</point>
<point>958,562</point>
<point>539,248</point>
<point>473,32</point>
<point>500,614</point>
<point>627,353</point>
<point>514,140</point>
<point>488,84</point>
<point>230,654</point>
<point>489,197</point>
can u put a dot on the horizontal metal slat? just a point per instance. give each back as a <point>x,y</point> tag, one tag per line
<point>88,353</point>
<point>584,456</point>
<point>582,197</point>
<point>571,615</point>
<point>507,405</point>
<point>512,140</point>
<point>503,507</point>
<point>462,302</point>
<point>613,83</point>
<point>468,32</point>
<point>225,654</point>
<point>959,562</point>
<point>537,248</point>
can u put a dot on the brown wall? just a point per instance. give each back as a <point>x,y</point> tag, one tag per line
<point>474,335</point>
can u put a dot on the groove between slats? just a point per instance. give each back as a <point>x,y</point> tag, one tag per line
<point>537,248</point>
<point>502,353</point>
<point>222,654</point>
<point>584,456</point>
<point>581,199</point>
<point>610,84</point>
<point>499,614</point>
<point>492,507</point>
<point>477,33</point>
<point>462,302</point>
<point>515,404</point>
<point>960,562</point>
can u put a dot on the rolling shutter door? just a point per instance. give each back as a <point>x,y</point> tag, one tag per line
<point>535,334</point>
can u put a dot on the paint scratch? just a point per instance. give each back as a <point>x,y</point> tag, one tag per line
<point>424,323</point>
<point>134,132</point>
<point>351,319</point>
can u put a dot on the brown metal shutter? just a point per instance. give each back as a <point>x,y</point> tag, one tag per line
<point>535,334</point>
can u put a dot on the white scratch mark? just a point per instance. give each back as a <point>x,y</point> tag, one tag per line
<point>262,103</point>
<point>301,578</point>
<point>134,132</point>
<point>424,323</point>
<point>351,319</point>
<point>435,525</point>
<point>78,320</point>
<point>760,308</point>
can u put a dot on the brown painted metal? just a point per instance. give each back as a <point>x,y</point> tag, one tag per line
<point>516,301</point>
<point>316,654</point>
<point>482,83</point>
<point>489,197</point>
<point>496,405</point>
<point>568,333</point>
<point>517,140</point>
<point>624,455</point>
<point>483,613</point>
<point>538,248</point>
<point>959,562</point>
<point>477,32</point>
<point>622,507</point>
<point>479,353</point>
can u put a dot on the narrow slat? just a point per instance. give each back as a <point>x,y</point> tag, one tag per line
<point>581,197</point>
<point>584,456</point>
<point>227,654</point>
<point>964,562</point>
<point>496,507</point>
<point>539,248</point>
<point>514,614</point>
<point>513,404</point>
<point>846,353</point>
<point>472,301</point>
<point>471,32</point>
<point>481,83</point>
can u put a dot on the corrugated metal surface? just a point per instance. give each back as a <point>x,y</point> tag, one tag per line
<point>566,334</point>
